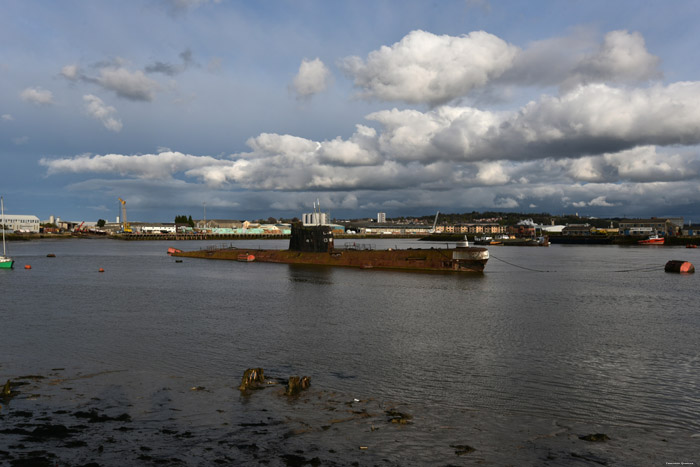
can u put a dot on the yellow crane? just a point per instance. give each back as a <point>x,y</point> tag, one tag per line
<point>125,224</point>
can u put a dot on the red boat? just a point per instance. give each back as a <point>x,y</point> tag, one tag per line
<point>172,250</point>
<point>652,240</point>
<point>691,245</point>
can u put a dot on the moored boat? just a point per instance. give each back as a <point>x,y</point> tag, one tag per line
<point>654,239</point>
<point>314,246</point>
<point>172,250</point>
<point>691,245</point>
<point>5,261</point>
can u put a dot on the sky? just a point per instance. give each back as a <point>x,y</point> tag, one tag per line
<point>247,110</point>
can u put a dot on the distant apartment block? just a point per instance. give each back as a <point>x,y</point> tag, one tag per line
<point>381,218</point>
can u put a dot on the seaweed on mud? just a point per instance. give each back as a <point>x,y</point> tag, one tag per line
<point>94,417</point>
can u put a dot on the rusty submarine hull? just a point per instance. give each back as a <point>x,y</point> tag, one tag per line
<point>313,245</point>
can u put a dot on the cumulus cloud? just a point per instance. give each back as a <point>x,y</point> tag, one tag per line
<point>116,77</point>
<point>590,143</point>
<point>539,144</point>
<point>640,164</point>
<point>146,166</point>
<point>132,85</point>
<point>590,120</point>
<point>313,77</point>
<point>98,110</point>
<point>622,57</point>
<point>37,96</point>
<point>427,68</point>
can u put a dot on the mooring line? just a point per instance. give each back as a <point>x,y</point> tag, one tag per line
<point>517,266</point>
<point>650,268</point>
<point>647,268</point>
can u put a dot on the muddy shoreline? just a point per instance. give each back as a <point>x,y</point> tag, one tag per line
<point>105,418</point>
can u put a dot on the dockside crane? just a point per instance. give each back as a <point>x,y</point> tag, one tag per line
<point>125,225</point>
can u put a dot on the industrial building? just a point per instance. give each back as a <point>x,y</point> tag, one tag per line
<point>22,223</point>
<point>662,226</point>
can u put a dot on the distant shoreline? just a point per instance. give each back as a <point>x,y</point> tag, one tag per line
<point>554,239</point>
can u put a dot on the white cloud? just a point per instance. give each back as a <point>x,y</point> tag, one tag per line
<point>147,166</point>
<point>98,110</point>
<point>580,58</point>
<point>594,145</point>
<point>644,164</point>
<point>426,68</point>
<point>622,57</point>
<point>37,96</point>
<point>492,173</point>
<point>600,201</point>
<point>71,72</point>
<point>313,77</point>
<point>7,117</point>
<point>541,145</point>
<point>133,85</point>
<point>360,149</point>
<point>505,203</point>
<point>591,119</point>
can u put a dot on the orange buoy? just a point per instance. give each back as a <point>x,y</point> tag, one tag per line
<point>102,270</point>
<point>27,266</point>
<point>682,267</point>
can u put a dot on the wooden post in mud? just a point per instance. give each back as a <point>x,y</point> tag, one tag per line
<point>296,385</point>
<point>251,377</point>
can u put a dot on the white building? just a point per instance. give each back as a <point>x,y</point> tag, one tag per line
<point>158,228</point>
<point>381,218</point>
<point>22,223</point>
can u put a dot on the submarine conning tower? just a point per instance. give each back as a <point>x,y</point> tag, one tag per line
<point>311,238</point>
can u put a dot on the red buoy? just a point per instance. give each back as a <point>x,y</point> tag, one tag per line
<point>27,266</point>
<point>102,270</point>
<point>682,267</point>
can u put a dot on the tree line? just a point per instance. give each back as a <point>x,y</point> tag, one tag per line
<point>184,220</point>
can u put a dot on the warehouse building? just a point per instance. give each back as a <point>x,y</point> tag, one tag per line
<point>21,223</point>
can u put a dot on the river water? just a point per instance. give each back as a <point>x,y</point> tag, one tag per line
<point>140,364</point>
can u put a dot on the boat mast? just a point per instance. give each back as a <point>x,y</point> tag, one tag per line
<point>2,224</point>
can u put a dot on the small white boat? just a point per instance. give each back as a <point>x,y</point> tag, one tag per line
<point>5,261</point>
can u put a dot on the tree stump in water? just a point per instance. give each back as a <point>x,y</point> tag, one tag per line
<point>296,385</point>
<point>251,378</point>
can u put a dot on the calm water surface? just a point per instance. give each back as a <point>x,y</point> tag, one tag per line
<point>547,345</point>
